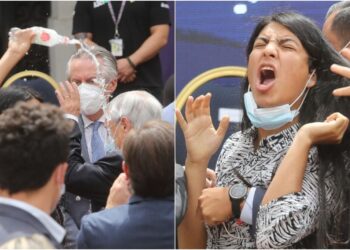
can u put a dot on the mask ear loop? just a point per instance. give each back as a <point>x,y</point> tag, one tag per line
<point>344,47</point>
<point>307,91</point>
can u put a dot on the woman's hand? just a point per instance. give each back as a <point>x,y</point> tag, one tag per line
<point>202,139</point>
<point>331,131</point>
<point>20,41</point>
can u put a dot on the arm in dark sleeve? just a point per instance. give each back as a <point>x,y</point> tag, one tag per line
<point>82,19</point>
<point>91,181</point>
<point>159,13</point>
<point>258,196</point>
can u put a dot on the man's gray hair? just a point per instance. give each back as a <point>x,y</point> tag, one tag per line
<point>138,106</point>
<point>107,62</point>
<point>336,7</point>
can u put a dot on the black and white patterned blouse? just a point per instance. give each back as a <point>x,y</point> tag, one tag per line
<point>281,222</point>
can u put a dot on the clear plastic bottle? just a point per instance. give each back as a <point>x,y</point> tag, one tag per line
<point>48,37</point>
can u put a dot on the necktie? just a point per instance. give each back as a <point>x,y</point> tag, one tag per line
<point>97,147</point>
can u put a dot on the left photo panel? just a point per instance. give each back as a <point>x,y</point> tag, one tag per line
<point>87,124</point>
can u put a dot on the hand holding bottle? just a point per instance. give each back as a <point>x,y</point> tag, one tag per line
<point>20,41</point>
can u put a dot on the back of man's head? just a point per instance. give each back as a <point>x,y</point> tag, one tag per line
<point>106,61</point>
<point>33,142</point>
<point>10,96</point>
<point>341,26</point>
<point>138,106</point>
<point>149,155</point>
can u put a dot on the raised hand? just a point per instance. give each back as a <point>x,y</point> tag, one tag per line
<point>120,192</point>
<point>343,71</point>
<point>69,98</point>
<point>331,131</point>
<point>202,139</point>
<point>20,40</point>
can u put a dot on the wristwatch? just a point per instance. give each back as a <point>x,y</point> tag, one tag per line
<point>237,193</point>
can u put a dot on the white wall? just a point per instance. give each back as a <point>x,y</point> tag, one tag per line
<point>61,20</point>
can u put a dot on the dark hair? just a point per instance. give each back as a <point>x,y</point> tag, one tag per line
<point>319,103</point>
<point>340,26</point>
<point>10,96</point>
<point>149,153</point>
<point>33,141</point>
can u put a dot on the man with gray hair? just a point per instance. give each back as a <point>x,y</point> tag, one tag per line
<point>337,23</point>
<point>130,110</point>
<point>94,71</point>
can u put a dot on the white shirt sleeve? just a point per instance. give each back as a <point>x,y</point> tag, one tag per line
<point>247,210</point>
<point>72,117</point>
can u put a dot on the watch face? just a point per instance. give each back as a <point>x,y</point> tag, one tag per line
<point>238,191</point>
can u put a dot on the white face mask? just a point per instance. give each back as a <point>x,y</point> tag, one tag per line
<point>91,98</point>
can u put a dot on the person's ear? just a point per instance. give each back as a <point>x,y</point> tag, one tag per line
<point>126,124</point>
<point>60,173</point>
<point>313,80</point>
<point>125,168</point>
<point>112,85</point>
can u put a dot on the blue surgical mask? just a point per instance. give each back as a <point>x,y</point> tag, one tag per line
<point>275,117</point>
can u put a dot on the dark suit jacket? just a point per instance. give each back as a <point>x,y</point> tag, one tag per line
<point>90,180</point>
<point>142,223</point>
<point>15,222</point>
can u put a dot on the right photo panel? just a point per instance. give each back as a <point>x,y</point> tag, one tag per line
<point>262,136</point>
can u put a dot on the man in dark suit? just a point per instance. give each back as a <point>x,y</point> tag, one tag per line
<point>147,220</point>
<point>82,69</point>
<point>33,152</point>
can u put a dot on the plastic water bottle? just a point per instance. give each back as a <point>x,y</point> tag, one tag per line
<point>48,37</point>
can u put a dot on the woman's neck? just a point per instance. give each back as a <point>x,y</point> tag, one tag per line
<point>263,133</point>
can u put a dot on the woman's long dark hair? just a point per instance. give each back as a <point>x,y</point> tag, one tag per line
<point>334,159</point>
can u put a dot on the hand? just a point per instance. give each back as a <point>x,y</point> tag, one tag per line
<point>214,205</point>
<point>211,179</point>
<point>343,71</point>
<point>20,41</point>
<point>330,131</point>
<point>202,139</point>
<point>119,193</point>
<point>126,72</point>
<point>69,98</point>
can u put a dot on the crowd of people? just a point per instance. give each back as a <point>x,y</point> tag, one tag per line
<point>98,171</point>
<point>101,156</point>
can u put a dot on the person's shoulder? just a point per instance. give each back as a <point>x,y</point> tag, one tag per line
<point>104,217</point>
<point>35,241</point>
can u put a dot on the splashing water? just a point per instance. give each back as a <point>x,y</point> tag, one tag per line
<point>99,80</point>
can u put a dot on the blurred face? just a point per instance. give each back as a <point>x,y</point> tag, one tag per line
<point>330,35</point>
<point>277,67</point>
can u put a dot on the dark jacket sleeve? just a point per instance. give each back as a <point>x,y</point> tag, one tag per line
<point>91,181</point>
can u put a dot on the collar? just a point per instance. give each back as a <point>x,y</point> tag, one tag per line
<point>136,198</point>
<point>88,122</point>
<point>49,223</point>
<point>276,142</point>
<point>282,139</point>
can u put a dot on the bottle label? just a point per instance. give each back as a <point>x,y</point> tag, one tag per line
<point>45,36</point>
